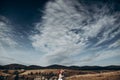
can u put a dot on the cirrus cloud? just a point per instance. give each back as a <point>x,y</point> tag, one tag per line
<point>69,29</point>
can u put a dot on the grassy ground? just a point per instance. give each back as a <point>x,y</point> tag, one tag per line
<point>69,74</point>
<point>99,76</point>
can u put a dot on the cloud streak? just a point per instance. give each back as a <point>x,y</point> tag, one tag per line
<point>70,32</point>
<point>69,28</point>
<point>9,47</point>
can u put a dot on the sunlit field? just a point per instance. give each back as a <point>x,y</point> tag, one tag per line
<point>52,74</point>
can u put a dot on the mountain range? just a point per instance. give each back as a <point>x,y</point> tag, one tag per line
<point>56,66</point>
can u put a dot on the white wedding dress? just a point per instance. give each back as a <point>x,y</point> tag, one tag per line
<point>60,77</point>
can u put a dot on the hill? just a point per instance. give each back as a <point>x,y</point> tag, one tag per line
<point>20,66</point>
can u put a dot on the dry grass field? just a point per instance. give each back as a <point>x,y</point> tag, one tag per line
<point>69,74</point>
<point>4,74</point>
<point>115,75</point>
<point>55,71</point>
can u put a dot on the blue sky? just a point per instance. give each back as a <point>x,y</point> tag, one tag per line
<point>65,32</point>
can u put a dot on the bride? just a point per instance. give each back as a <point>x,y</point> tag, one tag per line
<point>61,75</point>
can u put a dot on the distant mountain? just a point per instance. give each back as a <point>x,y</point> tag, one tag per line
<point>19,66</point>
<point>56,67</point>
<point>34,67</point>
<point>92,68</point>
<point>1,67</point>
<point>14,66</point>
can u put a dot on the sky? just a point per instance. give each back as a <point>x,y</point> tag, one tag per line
<point>64,32</point>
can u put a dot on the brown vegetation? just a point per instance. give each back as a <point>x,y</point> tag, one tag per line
<point>115,75</point>
<point>52,74</point>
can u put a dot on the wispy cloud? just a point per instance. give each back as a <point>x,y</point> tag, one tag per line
<point>70,33</point>
<point>6,33</point>
<point>68,27</point>
<point>7,42</point>
<point>11,51</point>
<point>115,44</point>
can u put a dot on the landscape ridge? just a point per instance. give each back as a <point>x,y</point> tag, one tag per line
<point>57,66</point>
